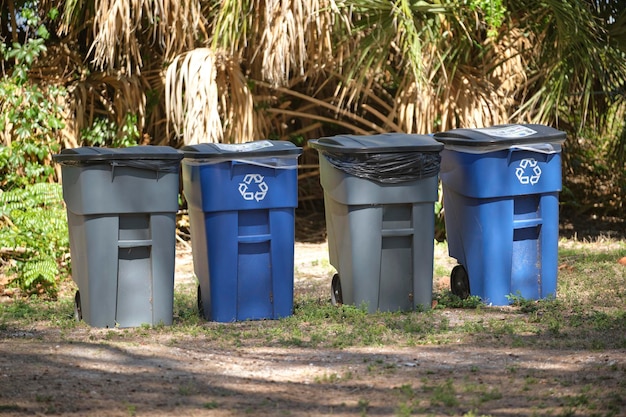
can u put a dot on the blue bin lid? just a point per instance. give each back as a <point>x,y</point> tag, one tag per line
<point>92,154</point>
<point>248,150</point>
<point>380,143</point>
<point>502,135</point>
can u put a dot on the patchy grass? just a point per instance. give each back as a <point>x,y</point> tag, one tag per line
<point>587,316</point>
<point>588,313</point>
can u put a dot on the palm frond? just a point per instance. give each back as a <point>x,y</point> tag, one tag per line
<point>575,66</point>
<point>236,101</point>
<point>118,25</point>
<point>231,24</point>
<point>192,96</point>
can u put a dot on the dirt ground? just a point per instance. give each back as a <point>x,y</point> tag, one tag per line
<point>83,371</point>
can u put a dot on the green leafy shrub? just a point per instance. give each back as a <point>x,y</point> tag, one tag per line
<point>34,237</point>
<point>30,115</point>
<point>33,226</point>
<point>493,12</point>
<point>104,132</point>
<point>446,299</point>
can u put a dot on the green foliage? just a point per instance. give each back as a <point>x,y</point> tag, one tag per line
<point>440,220</point>
<point>493,11</point>
<point>30,115</point>
<point>34,236</point>
<point>525,305</point>
<point>104,132</point>
<point>447,299</point>
<point>340,326</point>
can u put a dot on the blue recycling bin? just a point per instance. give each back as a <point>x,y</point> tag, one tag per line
<point>242,200</point>
<point>501,202</point>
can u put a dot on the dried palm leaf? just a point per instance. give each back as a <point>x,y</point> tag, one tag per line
<point>282,45</point>
<point>156,117</point>
<point>275,37</point>
<point>236,101</point>
<point>106,95</point>
<point>92,95</point>
<point>119,25</point>
<point>192,97</point>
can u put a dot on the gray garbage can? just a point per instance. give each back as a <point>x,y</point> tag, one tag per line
<point>379,195</point>
<point>121,211</point>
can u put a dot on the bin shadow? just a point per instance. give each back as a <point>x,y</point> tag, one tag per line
<point>42,373</point>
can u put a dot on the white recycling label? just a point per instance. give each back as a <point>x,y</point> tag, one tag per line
<point>528,171</point>
<point>253,187</point>
<point>244,147</point>
<point>512,131</point>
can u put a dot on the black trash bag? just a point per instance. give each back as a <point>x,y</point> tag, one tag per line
<point>387,167</point>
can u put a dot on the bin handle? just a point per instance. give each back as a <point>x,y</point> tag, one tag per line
<point>275,163</point>
<point>139,166</point>
<point>540,148</point>
<point>545,148</point>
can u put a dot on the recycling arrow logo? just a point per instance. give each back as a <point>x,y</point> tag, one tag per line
<point>253,187</point>
<point>528,171</point>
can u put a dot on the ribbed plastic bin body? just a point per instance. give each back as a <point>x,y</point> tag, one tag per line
<point>242,200</point>
<point>501,204</point>
<point>380,234</point>
<point>121,209</point>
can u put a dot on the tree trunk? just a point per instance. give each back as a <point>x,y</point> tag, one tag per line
<point>11,6</point>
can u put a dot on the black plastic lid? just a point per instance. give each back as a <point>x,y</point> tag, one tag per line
<point>381,143</point>
<point>255,149</point>
<point>96,154</point>
<point>510,134</point>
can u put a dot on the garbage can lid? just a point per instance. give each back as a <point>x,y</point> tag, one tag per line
<point>380,143</point>
<point>255,149</point>
<point>96,154</point>
<point>510,134</point>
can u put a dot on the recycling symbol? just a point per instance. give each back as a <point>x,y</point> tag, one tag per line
<point>253,187</point>
<point>528,171</point>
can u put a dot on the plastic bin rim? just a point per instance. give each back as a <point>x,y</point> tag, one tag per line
<point>241,151</point>
<point>380,143</point>
<point>477,137</point>
<point>96,154</point>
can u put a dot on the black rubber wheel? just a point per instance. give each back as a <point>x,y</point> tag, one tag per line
<point>78,312</point>
<point>200,305</point>
<point>459,282</point>
<point>335,293</point>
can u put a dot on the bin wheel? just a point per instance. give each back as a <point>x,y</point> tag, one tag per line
<point>200,304</point>
<point>335,293</point>
<point>78,312</point>
<point>459,282</point>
